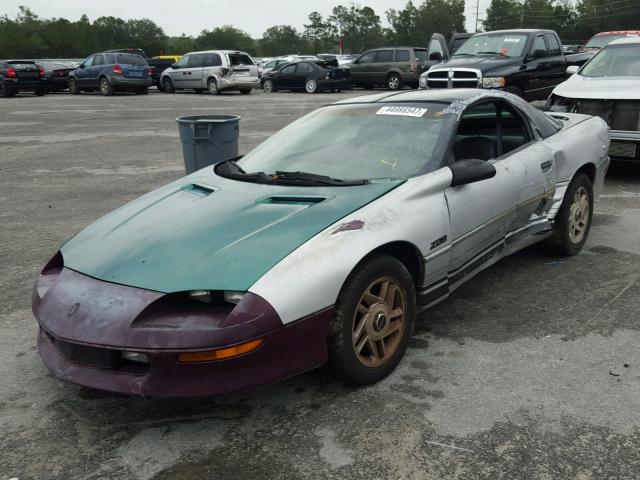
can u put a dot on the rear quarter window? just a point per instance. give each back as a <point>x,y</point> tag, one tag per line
<point>236,59</point>
<point>421,55</point>
<point>402,55</point>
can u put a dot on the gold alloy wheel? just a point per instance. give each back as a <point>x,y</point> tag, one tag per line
<point>379,322</point>
<point>579,215</point>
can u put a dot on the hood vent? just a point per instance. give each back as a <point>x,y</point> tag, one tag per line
<point>292,199</point>
<point>200,190</point>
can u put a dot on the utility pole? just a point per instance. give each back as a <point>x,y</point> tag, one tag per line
<point>477,14</point>
<point>524,7</point>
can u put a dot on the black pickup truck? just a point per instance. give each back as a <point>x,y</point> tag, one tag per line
<point>528,63</point>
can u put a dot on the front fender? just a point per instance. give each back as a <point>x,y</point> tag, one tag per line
<point>311,277</point>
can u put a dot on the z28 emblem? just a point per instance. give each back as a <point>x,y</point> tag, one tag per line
<point>438,242</point>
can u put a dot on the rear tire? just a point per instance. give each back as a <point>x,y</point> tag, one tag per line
<point>311,86</point>
<point>5,91</point>
<point>167,85</point>
<point>394,82</point>
<point>106,89</point>
<point>375,313</point>
<point>573,221</point>
<point>212,86</point>
<point>73,87</point>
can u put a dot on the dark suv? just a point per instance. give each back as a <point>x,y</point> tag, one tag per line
<point>392,67</point>
<point>110,72</point>
<point>21,75</point>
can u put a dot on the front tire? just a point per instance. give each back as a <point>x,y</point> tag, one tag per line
<point>311,86</point>
<point>167,85</point>
<point>212,86</point>
<point>73,87</point>
<point>268,86</point>
<point>375,314</point>
<point>106,89</point>
<point>573,222</point>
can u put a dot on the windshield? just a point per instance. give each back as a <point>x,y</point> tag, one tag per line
<point>600,41</point>
<point>351,142</point>
<point>510,45</point>
<point>614,61</point>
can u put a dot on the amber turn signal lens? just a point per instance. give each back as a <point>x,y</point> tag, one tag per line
<point>213,355</point>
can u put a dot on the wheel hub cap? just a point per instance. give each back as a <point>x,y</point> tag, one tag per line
<point>379,322</point>
<point>579,215</point>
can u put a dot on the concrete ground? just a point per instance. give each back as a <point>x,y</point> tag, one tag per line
<point>530,371</point>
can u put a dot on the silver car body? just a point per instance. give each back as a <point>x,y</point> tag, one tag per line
<point>453,232</point>
<point>615,98</point>
<point>231,69</point>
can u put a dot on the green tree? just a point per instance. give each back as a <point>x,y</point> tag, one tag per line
<point>280,40</point>
<point>179,45</point>
<point>359,27</point>
<point>320,35</point>
<point>225,37</point>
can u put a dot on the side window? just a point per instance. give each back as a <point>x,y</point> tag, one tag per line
<point>110,58</point>
<point>289,68</point>
<point>402,56</point>
<point>477,135</point>
<point>384,56</point>
<point>212,60</point>
<point>89,61</point>
<point>98,60</point>
<point>368,57</point>
<point>554,46</point>
<point>435,47</point>
<point>196,60</point>
<point>272,64</point>
<point>539,48</point>
<point>304,67</point>
<point>183,62</point>
<point>421,55</point>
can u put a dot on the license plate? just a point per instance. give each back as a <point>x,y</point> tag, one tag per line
<point>135,74</point>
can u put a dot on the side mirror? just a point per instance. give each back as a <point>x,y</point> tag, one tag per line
<point>572,69</point>
<point>539,54</point>
<point>437,56</point>
<point>470,171</point>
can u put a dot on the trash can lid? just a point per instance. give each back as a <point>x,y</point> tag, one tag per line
<point>208,119</point>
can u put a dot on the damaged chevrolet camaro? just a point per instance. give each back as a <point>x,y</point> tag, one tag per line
<point>321,245</point>
<point>608,86</point>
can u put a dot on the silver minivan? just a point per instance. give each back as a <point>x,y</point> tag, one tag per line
<point>213,70</point>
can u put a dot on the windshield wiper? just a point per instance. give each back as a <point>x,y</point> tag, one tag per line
<point>493,53</point>
<point>230,169</point>
<point>464,54</point>
<point>315,178</point>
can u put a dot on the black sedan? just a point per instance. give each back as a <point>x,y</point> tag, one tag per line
<point>21,75</point>
<point>309,76</point>
<point>56,75</point>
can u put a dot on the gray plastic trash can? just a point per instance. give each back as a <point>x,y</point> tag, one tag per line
<point>208,139</point>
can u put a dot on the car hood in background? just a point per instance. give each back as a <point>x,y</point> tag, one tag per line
<point>600,88</point>
<point>205,232</point>
<point>484,63</point>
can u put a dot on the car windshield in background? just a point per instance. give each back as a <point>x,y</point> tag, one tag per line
<point>239,59</point>
<point>604,40</point>
<point>131,59</point>
<point>351,142</point>
<point>509,45</point>
<point>614,61</point>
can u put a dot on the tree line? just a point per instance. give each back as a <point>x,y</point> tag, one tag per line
<point>352,27</point>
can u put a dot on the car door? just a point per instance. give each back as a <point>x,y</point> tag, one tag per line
<point>82,72</point>
<point>361,68</point>
<point>381,66</point>
<point>304,71</point>
<point>557,62</point>
<point>193,72</point>
<point>539,68</point>
<point>285,78</point>
<point>485,213</point>
<point>94,71</point>
<point>178,72</point>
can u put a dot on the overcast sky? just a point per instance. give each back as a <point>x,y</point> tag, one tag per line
<point>192,16</point>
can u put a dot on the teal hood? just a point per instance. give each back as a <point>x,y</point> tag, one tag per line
<point>205,232</point>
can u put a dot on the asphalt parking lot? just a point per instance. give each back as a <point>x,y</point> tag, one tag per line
<point>529,371</point>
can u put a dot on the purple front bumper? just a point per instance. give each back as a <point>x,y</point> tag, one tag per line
<point>86,324</point>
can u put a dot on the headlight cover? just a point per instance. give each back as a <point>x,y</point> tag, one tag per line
<point>423,82</point>
<point>493,82</point>
<point>216,297</point>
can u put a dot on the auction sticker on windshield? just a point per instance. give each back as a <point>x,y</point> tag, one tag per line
<point>403,111</point>
<point>512,40</point>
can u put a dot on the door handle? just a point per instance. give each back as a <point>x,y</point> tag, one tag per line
<point>546,165</point>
